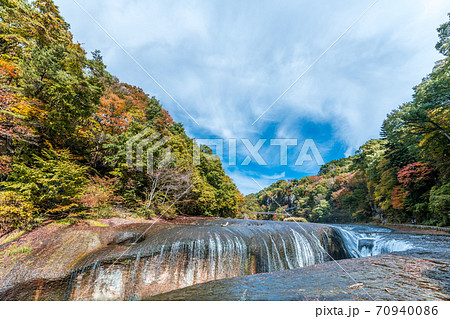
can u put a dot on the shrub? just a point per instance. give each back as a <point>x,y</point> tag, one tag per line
<point>440,203</point>
<point>99,194</point>
<point>53,183</point>
<point>15,211</point>
<point>296,219</point>
<point>145,211</point>
<point>17,250</point>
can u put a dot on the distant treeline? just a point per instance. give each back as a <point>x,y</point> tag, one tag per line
<point>402,177</point>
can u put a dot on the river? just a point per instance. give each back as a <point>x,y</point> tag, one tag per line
<point>236,260</point>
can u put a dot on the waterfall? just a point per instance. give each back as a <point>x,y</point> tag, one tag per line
<point>185,255</point>
<point>370,243</point>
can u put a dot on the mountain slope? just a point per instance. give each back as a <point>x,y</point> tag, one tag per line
<point>64,127</point>
<point>403,177</point>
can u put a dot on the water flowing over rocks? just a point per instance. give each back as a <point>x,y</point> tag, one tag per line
<point>383,277</point>
<point>135,261</point>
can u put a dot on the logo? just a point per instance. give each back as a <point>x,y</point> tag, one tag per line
<point>147,148</point>
<point>148,151</point>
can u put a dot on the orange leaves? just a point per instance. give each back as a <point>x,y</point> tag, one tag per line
<point>120,105</point>
<point>112,113</point>
<point>398,197</point>
<point>123,103</point>
<point>13,112</point>
<point>8,71</point>
<point>99,193</point>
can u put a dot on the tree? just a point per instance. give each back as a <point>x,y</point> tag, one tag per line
<point>65,122</point>
<point>440,204</point>
<point>443,45</point>
<point>54,183</point>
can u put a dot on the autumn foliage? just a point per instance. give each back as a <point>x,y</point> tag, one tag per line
<point>402,178</point>
<point>64,126</point>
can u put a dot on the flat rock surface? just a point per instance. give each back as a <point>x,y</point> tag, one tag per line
<point>384,277</point>
<point>53,251</point>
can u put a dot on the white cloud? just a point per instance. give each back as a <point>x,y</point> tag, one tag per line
<point>226,62</point>
<point>247,183</point>
<point>274,177</point>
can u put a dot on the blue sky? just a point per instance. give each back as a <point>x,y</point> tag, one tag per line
<point>226,62</point>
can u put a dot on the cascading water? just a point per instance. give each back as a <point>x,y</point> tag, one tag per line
<point>137,261</point>
<point>369,241</point>
<point>190,254</point>
<point>183,256</point>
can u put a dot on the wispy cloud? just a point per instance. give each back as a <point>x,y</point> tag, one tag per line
<point>274,177</point>
<point>225,62</point>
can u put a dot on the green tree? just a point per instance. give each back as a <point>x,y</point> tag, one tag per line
<point>53,183</point>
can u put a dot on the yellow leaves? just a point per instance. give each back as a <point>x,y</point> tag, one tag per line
<point>15,211</point>
<point>24,108</point>
<point>14,113</point>
<point>48,145</point>
<point>62,209</point>
<point>440,116</point>
<point>90,129</point>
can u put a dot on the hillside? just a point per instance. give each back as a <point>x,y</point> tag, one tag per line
<point>64,127</point>
<point>402,177</point>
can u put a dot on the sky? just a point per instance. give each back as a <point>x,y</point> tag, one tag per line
<point>219,66</point>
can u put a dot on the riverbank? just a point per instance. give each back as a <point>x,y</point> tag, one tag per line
<point>410,228</point>
<point>419,229</point>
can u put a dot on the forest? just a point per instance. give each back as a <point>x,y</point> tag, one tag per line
<point>64,126</point>
<point>402,177</point>
<point>65,123</point>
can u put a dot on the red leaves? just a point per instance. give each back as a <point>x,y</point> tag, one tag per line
<point>415,173</point>
<point>314,179</point>
<point>5,164</point>
<point>337,195</point>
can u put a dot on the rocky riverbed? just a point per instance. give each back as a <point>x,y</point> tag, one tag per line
<point>213,259</point>
<point>383,277</point>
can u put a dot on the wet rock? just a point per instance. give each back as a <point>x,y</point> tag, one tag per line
<point>81,262</point>
<point>128,238</point>
<point>116,262</point>
<point>335,245</point>
<point>384,277</point>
